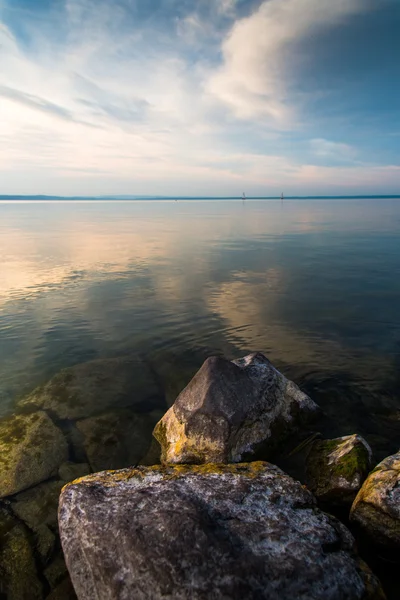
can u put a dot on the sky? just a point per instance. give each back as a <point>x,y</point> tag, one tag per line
<point>213,97</point>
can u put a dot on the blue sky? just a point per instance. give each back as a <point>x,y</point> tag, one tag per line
<point>207,97</point>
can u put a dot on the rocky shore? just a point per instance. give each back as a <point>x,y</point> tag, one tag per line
<point>199,512</point>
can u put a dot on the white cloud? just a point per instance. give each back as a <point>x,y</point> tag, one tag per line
<point>252,80</point>
<point>333,150</point>
<point>108,108</point>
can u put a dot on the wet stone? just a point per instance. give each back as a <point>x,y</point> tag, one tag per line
<point>31,450</point>
<point>69,471</point>
<point>18,575</point>
<point>38,506</point>
<point>96,386</point>
<point>337,468</point>
<point>117,439</point>
<point>376,509</point>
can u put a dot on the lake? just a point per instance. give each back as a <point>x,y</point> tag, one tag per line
<point>315,285</point>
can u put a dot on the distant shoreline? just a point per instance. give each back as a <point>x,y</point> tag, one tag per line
<point>40,198</point>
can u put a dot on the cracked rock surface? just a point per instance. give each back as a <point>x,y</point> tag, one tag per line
<point>209,531</point>
<point>231,411</point>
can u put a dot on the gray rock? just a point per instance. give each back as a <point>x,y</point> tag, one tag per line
<point>117,439</point>
<point>69,471</point>
<point>97,386</point>
<point>376,509</point>
<point>31,450</point>
<point>210,531</point>
<point>18,576</point>
<point>231,411</point>
<point>337,468</point>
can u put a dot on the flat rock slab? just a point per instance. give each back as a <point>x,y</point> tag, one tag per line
<point>231,411</point>
<point>376,509</point>
<point>336,469</point>
<point>98,385</point>
<point>200,532</point>
<point>31,450</point>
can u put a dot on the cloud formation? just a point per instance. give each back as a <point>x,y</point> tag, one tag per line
<point>145,98</point>
<point>253,78</point>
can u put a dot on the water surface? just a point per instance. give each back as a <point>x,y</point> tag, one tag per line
<point>315,285</point>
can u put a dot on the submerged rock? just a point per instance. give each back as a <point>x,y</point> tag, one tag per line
<point>97,386</point>
<point>210,531</point>
<point>31,450</point>
<point>69,471</point>
<point>337,468</point>
<point>18,576</point>
<point>117,439</point>
<point>64,591</point>
<point>376,509</point>
<point>230,411</point>
<point>38,506</point>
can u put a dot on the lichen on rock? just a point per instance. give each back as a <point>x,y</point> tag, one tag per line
<point>31,450</point>
<point>376,509</point>
<point>337,468</point>
<point>206,531</point>
<point>232,411</point>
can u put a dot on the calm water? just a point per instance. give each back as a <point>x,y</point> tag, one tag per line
<point>313,284</point>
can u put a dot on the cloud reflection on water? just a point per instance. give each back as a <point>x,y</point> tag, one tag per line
<point>88,280</point>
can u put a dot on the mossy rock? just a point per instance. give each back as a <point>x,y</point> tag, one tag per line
<point>337,468</point>
<point>376,509</point>
<point>18,576</point>
<point>31,450</point>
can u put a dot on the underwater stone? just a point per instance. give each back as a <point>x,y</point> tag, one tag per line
<point>38,506</point>
<point>376,509</point>
<point>96,386</point>
<point>117,439</point>
<point>69,471</point>
<point>231,411</point>
<point>31,450</point>
<point>192,532</point>
<point>18,576</point>
<point>337,468</point>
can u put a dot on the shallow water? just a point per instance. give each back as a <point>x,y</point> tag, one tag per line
<point>315,285</point>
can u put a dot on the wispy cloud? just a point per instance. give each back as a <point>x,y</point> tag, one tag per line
<point>171,98</point>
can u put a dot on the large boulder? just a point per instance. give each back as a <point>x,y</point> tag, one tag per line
<point>376,509</point>
<point>209,531</point>
<point>18,575</point>
<point>31,450</point>
<point>337,468</point>
<point>96,386</point>
<point>117,439</point>
<point>231,411</point>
